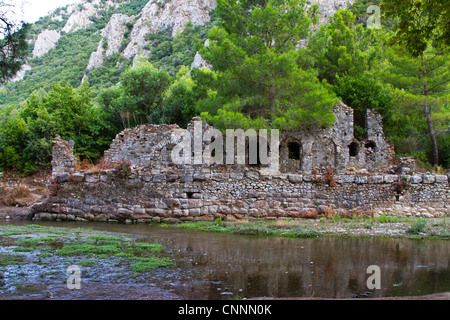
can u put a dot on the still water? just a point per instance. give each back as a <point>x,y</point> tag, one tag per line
<point>331,267</point>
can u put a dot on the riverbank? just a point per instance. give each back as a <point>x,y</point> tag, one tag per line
<point>382,226</point>
<point>34,262</point>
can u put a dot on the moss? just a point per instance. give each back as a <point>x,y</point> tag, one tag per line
<point>87,249</point>
<point>23,249</point>
<point>150,264</point>
<point>7,259</point>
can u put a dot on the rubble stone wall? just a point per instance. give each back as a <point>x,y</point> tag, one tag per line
<point>142,197</point>
<point>63,158</point>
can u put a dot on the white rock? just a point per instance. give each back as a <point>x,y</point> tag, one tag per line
<point>45,41</point>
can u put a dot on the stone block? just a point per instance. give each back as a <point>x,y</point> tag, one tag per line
<point>124,213</point>
<point>441,179</point>
<point>199,177</point>
<point>186,178</point>
<point>361,179</point>
<point>391,178</point>
<point>375,179</point>
<point>295,178</point>
<point>428,178</point>
<point>416,179</point>
<point>91,178</point>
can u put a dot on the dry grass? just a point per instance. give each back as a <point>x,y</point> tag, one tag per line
<point>18,196</point>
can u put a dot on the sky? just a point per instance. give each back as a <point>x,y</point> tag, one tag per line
<point>32,10</point>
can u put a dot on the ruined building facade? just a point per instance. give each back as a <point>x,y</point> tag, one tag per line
<point>321,171</point>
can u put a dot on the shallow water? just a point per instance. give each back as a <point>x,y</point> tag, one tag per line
<point>252,266</point>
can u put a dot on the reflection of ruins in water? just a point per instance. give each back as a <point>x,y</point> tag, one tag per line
<point>324,267</point>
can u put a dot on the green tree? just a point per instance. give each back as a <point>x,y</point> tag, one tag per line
<point>423,31</point>
<point>143,89</point>
<point>419,23</point>
<point>342,48</point>
<point>427,77</point>
<point>361,93</point>
<point>13,44</point>
<point>254,53</point>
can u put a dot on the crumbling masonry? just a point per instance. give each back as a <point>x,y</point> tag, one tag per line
<point>322,171</point>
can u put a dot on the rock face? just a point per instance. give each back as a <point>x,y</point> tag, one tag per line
<point>327,8</point>
<point>80,18</point>
<point>45,41</point>
<point>113,35</point>
<point>162,15</point>
<point>157,15</point>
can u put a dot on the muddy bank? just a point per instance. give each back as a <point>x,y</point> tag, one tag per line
<point>14,213</point>
<point>34,262</point>
<point>380,226</point>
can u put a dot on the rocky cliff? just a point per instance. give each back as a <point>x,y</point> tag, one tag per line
<point>126,33</point>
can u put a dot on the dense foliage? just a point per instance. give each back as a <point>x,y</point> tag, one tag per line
<point>261,78</point>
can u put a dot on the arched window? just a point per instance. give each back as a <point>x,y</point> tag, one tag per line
<point>294,149</point>
<point>371,145</point>
<point>353,149</point>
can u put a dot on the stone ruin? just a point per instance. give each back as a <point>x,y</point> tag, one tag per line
<point>315,150</point>
<point>321,172</point>
<point>63,158</point>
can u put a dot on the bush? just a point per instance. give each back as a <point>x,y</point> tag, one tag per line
<point>418,226</point>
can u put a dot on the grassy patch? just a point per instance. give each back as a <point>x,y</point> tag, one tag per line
<point>364,226</point>
<point>418,226</point>
<point>150,264</point>
<point>88,245</point>
<point>7,259</point>
<point>86,263</point>
<point>260,228</point>
<point>87,249</point>
<point>23,249</point>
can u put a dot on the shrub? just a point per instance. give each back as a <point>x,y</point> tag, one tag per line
<point>417,226</point>
<point>123,168</point>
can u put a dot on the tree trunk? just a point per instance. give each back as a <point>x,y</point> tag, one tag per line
<point>426,111</point>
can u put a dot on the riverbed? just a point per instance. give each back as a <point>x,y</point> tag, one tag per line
<point>211,266</point>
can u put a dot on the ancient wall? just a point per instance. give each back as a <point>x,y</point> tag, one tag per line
<point>63,158</point>
<point>143,197</point>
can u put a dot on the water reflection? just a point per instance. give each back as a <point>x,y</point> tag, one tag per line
<point>250,266</point>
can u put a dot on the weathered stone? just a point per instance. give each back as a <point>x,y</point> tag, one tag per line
<point>390,178</point>
<point>441,179</point>
<point>428,178</point>
<point>92,178</point>
<point>199,177</point>
<point>124,213</point>
<point>375,179</point>
<point>416,179</point>
<point>295,178</point>
<point>186,178</point>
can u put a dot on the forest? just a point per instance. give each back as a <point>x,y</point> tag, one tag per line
<point>273,66</point>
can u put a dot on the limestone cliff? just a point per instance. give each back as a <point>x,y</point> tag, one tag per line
<point>126,33</point>
<point>45,41</point>
<point>172,15</point>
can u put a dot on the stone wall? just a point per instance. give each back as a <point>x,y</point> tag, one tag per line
<point>63,158</point>
<point>143,197</point>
